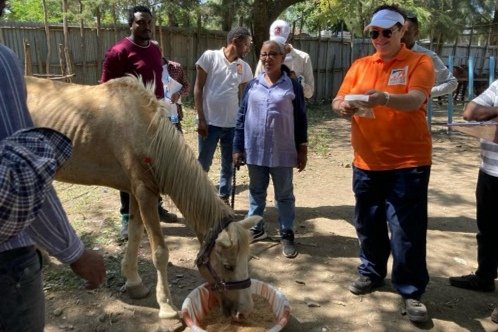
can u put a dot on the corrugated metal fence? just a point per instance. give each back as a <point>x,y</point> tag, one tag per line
<point>330,56</point>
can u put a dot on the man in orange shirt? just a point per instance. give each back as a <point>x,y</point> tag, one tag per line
<point>392,160</point>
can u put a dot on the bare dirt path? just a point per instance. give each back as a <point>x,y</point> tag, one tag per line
<point>326,241</point>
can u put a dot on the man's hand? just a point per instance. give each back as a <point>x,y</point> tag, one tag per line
<point>90,266</point>
<point>202,128</point>
<point>302,157</point>
<point>174,97</point>
<point>238,159</point>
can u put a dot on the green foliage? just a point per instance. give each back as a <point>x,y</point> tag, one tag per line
<point>32,11</point>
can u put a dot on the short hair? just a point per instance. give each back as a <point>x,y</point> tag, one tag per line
<point>393,8</point>
<point>279,46</point>
<point>137,9</point>
<point>238,33</point>
<point>412,18</point>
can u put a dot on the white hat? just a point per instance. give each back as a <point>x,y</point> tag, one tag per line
<point>386,18</point>
<point>279,31</point>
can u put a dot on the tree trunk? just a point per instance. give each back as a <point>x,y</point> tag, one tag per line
<point>263,14</point>
<point>47,34</point>
<point>494,29</point>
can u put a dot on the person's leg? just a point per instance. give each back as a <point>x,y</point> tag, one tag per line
<point>259,179</point>
<point>207,147</point>
<point>407,217</point>
<point>125,213</point>
<point>285,203</point>
<point>487,225</point>
<point>22,307</point>
<point>487,242</point>
<point>226,172</point>
<point>370,223</point>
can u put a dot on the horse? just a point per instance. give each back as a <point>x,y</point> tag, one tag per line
<point>123,139</point>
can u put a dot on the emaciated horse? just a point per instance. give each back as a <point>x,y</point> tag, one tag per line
<point>122,139</point>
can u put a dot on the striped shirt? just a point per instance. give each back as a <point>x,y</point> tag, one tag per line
<point>51,229</point>
<point>489,150</point>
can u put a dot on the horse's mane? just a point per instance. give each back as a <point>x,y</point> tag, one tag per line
<point>176,169</point>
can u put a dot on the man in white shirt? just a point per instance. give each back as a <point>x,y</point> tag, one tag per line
<point>446,83</point>
<point>484,108</point>
<point>299,62</point>
<point>221,78</point>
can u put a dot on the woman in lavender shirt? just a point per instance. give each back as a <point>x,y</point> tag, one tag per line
<point>271,137</point>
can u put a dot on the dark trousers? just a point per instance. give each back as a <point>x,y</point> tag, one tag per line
<point>396,199</point>
<point>487,226</point>
<point>125,203</point>
<point>22,303</point>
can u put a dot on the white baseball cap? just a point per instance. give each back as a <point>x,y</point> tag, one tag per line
<point>279,31</point>
<point>386,18</point>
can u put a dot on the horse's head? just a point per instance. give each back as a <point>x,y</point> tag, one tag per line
<point>227,267</point>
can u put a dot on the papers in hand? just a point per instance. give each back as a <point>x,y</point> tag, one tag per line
<point>171,87</point>
<point>354,100</point>
<point>487,130</point>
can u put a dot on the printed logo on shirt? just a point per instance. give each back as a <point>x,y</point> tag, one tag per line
<point>398,76</point>
<point>239,69</point>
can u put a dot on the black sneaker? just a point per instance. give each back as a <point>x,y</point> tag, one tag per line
<point>165,216</point>
<point>289,248</point>
<point>494,315</point>
<point>473,282</point>
<point>365,285</point>
<point>416,311</point>
<point>258,235</point>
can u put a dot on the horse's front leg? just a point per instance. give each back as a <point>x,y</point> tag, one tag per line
<point>129,266</point>
<point>147,202</point>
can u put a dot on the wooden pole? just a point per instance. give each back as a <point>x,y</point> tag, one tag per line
<point>28,70</point>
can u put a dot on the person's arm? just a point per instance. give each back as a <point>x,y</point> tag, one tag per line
<point>200,81</point>
<point>113,66</point>
<point>238,139</point>
<point>183,80</point>
<point>446,83</point>
<point>475,112</point>
<point>300,126</point>
<point>309,80</point>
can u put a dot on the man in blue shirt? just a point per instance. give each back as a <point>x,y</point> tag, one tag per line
<point>20,266</point>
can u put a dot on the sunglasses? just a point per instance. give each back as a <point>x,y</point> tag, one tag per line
<point>386,33</point>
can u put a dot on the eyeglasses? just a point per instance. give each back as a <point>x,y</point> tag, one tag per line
<point>386,33</point>
<point>271,55</point>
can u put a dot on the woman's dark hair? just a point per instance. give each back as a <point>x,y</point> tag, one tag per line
<point>136,9</point>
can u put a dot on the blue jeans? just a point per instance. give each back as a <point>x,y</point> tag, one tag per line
<point>207,147</point>
<point>400,198</point>
<point>22,304</point>
<point>259,179</point>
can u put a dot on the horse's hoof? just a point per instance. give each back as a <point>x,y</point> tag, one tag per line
<point>138,291</point>
<point>171,326</point>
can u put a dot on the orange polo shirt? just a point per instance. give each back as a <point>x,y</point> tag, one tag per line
<point>393,139</point>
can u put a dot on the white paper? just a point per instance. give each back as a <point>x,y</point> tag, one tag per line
<point>356,97</point>
<point>362,111</point>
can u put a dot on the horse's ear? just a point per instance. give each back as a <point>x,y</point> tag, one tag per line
<point>224,240</point>
<point>250,221</point>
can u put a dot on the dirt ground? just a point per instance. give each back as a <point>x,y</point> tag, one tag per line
<point>316,281</point>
